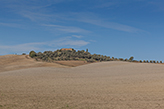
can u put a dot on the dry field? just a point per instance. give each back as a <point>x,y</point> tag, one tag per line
<point>15,62</point>
<point>105,85</point>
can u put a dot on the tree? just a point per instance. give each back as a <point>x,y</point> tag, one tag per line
<point>131,58</point>
<point>121,59</point>
<point>87,50</point>
<point>23,53</point>
<point>32,54</point>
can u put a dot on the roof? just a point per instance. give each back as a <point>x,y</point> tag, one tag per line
<point>66,49</point>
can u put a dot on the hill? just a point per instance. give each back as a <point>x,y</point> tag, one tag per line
<point>15,62</point>
<point>105,85</point>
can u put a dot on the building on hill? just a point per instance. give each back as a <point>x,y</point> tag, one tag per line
<point>66,49</point>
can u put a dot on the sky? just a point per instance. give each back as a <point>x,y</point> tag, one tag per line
<point>116,28</point>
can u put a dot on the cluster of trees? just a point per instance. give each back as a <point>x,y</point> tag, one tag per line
<point>58,55</point>
<point>144,61</point>
<point>82,55</point>
<point>151,61</point>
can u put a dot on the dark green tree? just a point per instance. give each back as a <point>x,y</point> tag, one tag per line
<point>87,50</point>
<point>131,58</point>
<point>32,54</point>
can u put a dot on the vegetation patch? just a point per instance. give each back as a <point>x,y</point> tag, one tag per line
<point>80,55</point>
<point>64,54</point>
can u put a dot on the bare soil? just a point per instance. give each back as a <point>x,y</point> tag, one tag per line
<point>72,63</point>
<point>15,62</point>
<point>105,85</point>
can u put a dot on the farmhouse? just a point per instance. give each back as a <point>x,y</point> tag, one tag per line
<point>66,49</point>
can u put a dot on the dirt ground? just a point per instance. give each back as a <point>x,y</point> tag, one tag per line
<point>104,85</point>
<point>15,62</point>
<point>72,63</point>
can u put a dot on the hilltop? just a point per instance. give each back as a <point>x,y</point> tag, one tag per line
<point>65,57</point>
<point>66,54</point>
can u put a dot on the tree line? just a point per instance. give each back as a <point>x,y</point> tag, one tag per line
<point>82,55</point>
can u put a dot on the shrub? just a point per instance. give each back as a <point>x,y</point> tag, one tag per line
<point>151,61</point>
<point>147,61</point>
<point>32,54</point>
<point>160,61</point>
<point>108,59</point>
<point>121,59</point>
<point>115,59</point>
<point>76,58</point>
<point>91,60</point>
<point>140,61</point>
<point>144,61</point>
<point>157,61</point>
<point>23,53</point>
<point>154,62</point>
<point>134,61</point>
<point>36,59</point>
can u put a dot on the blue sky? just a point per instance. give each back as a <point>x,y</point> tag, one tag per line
<point>119,28</point>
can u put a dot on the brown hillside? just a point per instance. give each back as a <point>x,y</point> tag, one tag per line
<point>105,85</point>
<point>15,62</point>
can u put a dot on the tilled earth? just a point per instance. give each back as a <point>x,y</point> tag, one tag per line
<point>105,85</point>
<point>15,62</point>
